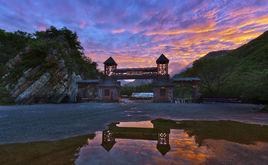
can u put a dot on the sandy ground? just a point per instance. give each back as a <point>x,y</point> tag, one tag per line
<point>57,121</point>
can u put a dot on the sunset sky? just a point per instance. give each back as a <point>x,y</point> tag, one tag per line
<point>136,32</point>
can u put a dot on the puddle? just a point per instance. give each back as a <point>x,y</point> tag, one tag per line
<point>139,124</point>
<point>151,142</point>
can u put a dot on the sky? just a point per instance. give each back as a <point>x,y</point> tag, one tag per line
<point>136,32</point>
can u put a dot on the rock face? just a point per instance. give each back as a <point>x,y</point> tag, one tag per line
<point>34,89</point>
<point>54,85</point>
<point>43,68</point>
<point>73,88</point>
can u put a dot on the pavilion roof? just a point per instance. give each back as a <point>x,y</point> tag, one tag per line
<point>162,60</point>
<point>110,61</point>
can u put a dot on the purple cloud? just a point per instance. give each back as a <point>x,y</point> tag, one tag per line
<point>137,31</point>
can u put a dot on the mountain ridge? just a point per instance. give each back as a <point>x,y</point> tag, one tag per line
<point>241,73</point>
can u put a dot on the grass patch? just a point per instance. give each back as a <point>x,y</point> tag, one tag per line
<point>43,153</point>
<point>233,131</point>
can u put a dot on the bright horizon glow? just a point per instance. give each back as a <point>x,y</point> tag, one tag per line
<point>135,32</point>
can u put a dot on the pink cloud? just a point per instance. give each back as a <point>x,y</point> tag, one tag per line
<point>42,27</point>
<point>120,30</point>
<point>82,24</point>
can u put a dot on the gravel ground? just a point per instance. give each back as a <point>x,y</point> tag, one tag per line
<point>27,123</point>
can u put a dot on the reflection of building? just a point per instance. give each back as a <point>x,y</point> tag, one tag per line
<point>163,141</point>
<point>157,133</point>
<point>108,140</point>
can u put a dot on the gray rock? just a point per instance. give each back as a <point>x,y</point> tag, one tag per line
<point>60,91</point>
<point>56,85</point>
<point>11,63</point>
<point>16,90</point>
<point>73,87</point>
<point>33,89</point>
<point>24,81</point>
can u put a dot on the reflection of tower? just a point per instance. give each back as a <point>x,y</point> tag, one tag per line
<point>163,141</point>
<point>108,140</point>
<point>158,132</point>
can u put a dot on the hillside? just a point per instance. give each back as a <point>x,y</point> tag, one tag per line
<point>42,67</point>
<point>241,73</point>
<point>216,54</point>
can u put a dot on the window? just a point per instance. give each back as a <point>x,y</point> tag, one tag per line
<point>162,69</point>
<point>106,92</point>
<point>163,92</point>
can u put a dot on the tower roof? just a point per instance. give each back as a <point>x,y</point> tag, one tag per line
<point>110,61</point>
<point>163,149</point>
<point>108,146</point>
<point>162,60</point>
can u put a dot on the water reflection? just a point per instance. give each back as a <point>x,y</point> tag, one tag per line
<point>151,142</point>
<point>137,131</point>
<point>185,142</point>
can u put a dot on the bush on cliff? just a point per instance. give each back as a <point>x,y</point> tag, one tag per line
<point>56,53</point>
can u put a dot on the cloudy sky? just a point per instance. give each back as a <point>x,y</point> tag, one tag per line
<point>136,32</point>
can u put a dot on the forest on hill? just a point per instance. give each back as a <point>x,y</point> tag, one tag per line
<point>43,63</point>
<point>240,73</point>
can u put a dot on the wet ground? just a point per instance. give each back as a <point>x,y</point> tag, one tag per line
<point>58,121</point>
<point>158,141</point>
<point>32,134</point>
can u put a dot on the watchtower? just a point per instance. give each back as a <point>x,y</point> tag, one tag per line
<point>109,66</point>
<point>162,65</point>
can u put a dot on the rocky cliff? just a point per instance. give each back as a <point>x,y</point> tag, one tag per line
<point>52,85</point>
<point>47,69</point>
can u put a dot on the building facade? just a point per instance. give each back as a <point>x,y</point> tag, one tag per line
<point>107,89</point>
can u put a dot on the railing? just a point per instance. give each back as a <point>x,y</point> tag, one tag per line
<point>183,100</point>
<point>221,100</point>
<point>138,76</point>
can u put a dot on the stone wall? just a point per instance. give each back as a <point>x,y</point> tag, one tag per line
<point>159,97</point>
